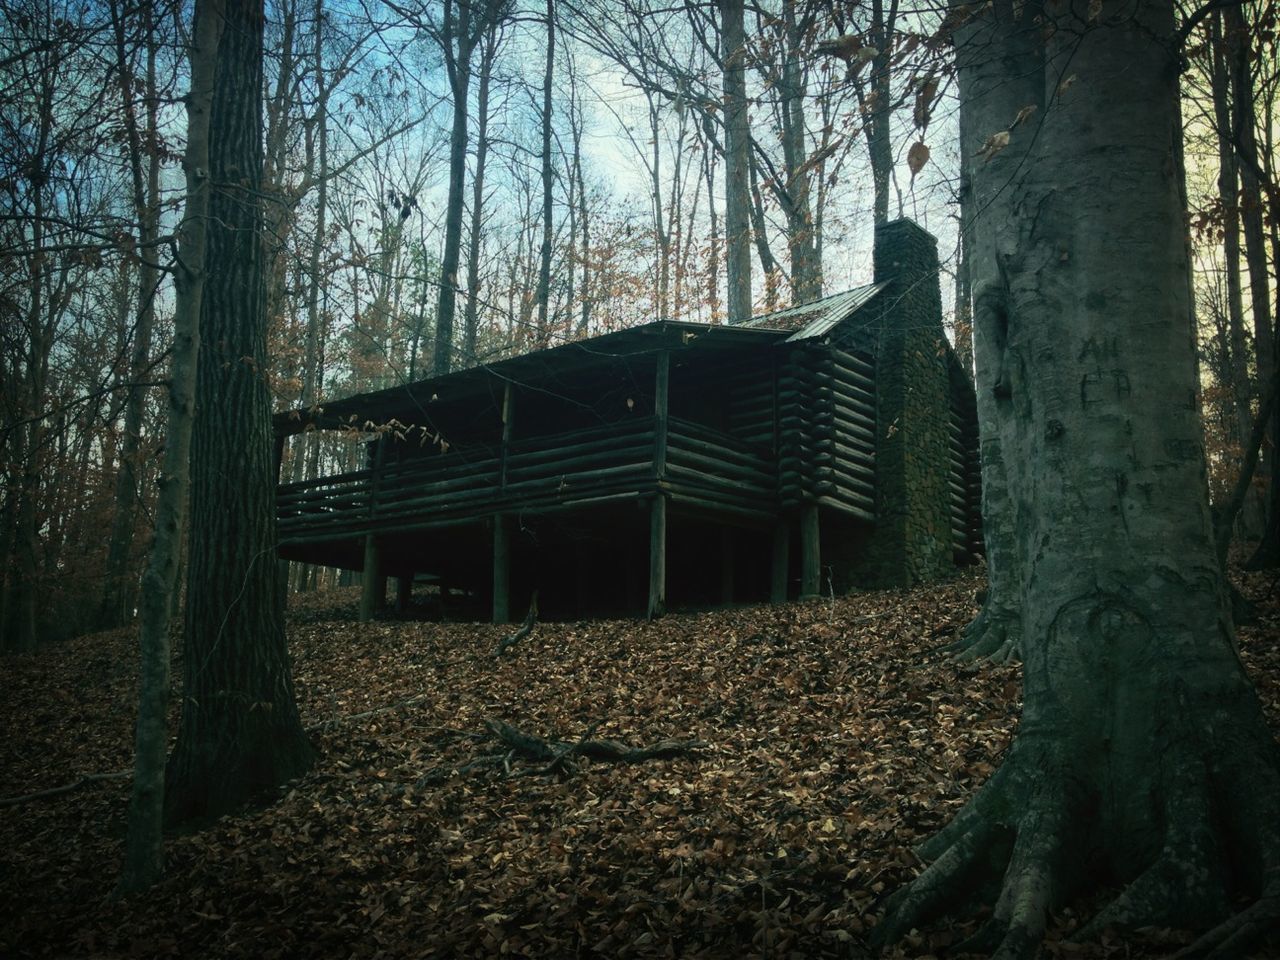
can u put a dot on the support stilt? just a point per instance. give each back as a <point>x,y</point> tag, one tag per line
<point>374,582</point>
<point>404,592</point>
<point>810,553</point>
<point>781,562</point>
<point>501,571</point>
<point>726,565</point>
<point>658,557</point>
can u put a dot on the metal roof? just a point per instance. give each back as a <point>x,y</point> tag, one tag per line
<point>645,339</point>
<point>802,322</point>
<point>817,317</point>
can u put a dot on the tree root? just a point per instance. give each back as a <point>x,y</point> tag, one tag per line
<point>995,635</point>
<point>1239,934</point>
<point>977,854</point>
<point>1187,883</point>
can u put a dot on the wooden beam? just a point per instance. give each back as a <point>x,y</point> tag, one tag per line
<point>781,561</point>
<point>501,571</point>
<point>661,413</point>
<point>810,553</point>
<point>657,557</point>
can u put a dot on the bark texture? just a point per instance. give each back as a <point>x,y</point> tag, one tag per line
<point>1142,759</point>
<point>120,576</point>
<point>240,734</point>
<point>737,202</point>
<point>144,847</point>
<point>1001,78</point>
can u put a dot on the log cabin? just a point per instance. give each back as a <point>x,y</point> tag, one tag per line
<point>815,449</point>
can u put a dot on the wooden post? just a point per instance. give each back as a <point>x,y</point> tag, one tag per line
<point>501,532</point>
<point>781,561</point>
<point>726,564</point>
<point>501,571</point>
<point>508,411</point>
<point>658,510</point>
<point>661,409</point>
<point>582,572</point>
<point>373,591</point>
<point>810,552</point>
<point>404,591</point>
<point>278,452</point>
<point>658,557</point>
<point>373,594</point>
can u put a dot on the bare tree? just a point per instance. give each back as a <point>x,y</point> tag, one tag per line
<point>239,733</point>
<point>144,855</point>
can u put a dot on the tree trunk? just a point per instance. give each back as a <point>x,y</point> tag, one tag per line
<point>471,312</point>
<point>713,243</point>
<point>458,65</point>
<point>544,252</point>
<point>1244,140</point>
<point>582,221</point>
<point>240,734</point>
<point>806,267</point>
<point>1227,192</point>
<point>144,848</point>
<point>28,441</point>
<point>737,160</point>
<point>313,337</point>
<point>879,142</point>
<point>1142,756</point>
<point>118,597</point>
<point>768,265</point>
<point>1000,75</point>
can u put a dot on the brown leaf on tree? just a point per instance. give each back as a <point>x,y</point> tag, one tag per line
<point>917,157</point>
<point>993,145</point>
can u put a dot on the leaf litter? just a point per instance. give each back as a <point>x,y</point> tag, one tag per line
<point>830,738</point>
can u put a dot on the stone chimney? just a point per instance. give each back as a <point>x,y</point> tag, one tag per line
<point>912,539</point>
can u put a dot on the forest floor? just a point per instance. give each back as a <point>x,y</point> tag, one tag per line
<point>834,736</point>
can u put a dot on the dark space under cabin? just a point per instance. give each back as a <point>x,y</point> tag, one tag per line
<point>818,448</point>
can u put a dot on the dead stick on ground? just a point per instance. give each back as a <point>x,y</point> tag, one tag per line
<point>526,628</point>
<point>84,781</point>
<point>333,721</point>
<point>536,748</point>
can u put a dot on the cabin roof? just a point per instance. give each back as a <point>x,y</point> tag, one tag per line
<point>817,317</point>
<point>792,324</point>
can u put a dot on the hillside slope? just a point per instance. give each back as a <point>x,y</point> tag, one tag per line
<point>832,736</point>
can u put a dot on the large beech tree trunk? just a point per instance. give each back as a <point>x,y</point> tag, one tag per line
<point>1142,758</point>
<point>240,734</point>
<point>1001,78</point>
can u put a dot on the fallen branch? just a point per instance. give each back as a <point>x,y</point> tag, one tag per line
<point>533,747</point>
<point>84,781</point>
<point>376,711</point>
<point>526,628</point>
<point>566,755</point>
<point>445,771</point>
